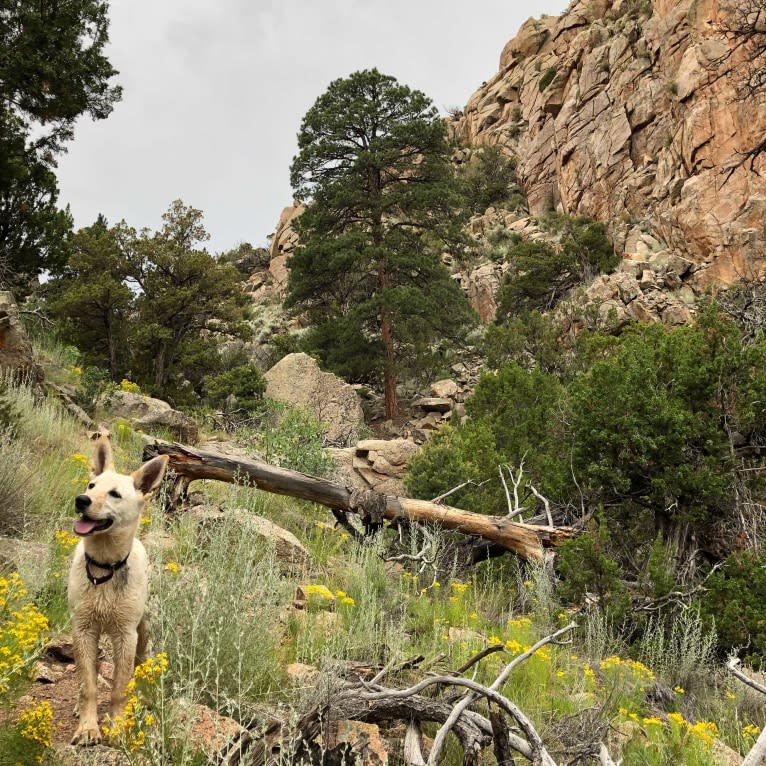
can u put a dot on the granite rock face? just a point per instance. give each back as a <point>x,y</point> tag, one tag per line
<point>625,111</point>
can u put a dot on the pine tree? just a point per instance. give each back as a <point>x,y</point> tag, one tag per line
<point>374,161</point>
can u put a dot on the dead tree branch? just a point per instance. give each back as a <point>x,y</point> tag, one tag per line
<point>441,735</point>
<point>525,540</point>
<point>757,753</point>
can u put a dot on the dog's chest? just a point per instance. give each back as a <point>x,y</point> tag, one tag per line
<point>120,600</point>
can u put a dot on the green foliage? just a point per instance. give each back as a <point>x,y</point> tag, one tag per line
<point>154,304</point>
<point>92,301</point>
<point>374,160</point>
<point>52,71</point>
<point>647,424</point>
<point>586,567</point>
<point>660,569</point>
<point>547,78</point>
<point>290,437</point>
<point>512,420</point>
<point>733,603</point>
<point>542,273</point>
<point>488,179</point>
<point>33,231</point>
<point>245,383</point>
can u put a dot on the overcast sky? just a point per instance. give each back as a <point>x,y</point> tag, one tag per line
<point>215,90</point>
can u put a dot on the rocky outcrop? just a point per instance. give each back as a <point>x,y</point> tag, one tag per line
<point>296,379</point>
<point>149,414</point>
<point>283,242</point>
<point>626,110</point>
<point>16,355</point>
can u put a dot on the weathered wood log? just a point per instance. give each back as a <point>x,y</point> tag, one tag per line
<point>525,540</point>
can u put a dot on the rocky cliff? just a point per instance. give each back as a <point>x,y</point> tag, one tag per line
<point>632,112</point>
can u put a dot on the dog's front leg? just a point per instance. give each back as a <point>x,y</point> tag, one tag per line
<point>85,645</point>
<point>124,645</point>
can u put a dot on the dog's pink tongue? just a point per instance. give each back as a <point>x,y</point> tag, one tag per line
<point>84,526</point>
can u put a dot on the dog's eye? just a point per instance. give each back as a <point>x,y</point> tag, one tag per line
<point>115,493</point>
<point>91,485</point>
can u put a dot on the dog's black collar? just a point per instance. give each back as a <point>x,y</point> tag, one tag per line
<point>111,567</point>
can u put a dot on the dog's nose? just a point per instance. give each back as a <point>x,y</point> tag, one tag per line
<point>82,503</point>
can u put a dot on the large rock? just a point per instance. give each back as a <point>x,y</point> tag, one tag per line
<point>376,464</point>
<point>289,552</point>
<point>149,414</point>
<point>643,119</point>
<point>296,379</point>
<point>16,355</point>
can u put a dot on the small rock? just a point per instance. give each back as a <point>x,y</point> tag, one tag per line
<point>206,729</point>
<point>47,672</point>
<point>444,389</point>
<point>433,404</point>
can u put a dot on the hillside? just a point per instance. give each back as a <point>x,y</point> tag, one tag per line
<point>552,553</point>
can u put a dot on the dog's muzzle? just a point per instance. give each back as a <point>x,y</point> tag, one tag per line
<point>86,526</point>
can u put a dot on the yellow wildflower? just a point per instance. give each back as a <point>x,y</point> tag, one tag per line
<point>66,539</point>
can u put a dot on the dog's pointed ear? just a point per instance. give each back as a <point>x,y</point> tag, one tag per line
<point>103,460</point>
<point>148,477</point>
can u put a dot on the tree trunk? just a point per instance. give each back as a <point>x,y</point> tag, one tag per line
<point>525,540</point>
<point>389,373</point>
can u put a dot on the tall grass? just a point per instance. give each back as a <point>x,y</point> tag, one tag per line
<point>216,613</point>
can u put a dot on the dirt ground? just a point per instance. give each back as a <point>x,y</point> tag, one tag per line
<point>56,682</point>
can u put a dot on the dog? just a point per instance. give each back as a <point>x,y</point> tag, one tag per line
<point>108,580</point>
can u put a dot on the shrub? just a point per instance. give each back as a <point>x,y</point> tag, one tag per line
<point>9,414</point>
<point>733,602</point>
<point>542,273</point>
<point>547,78</point>
<point>289,437</point>
<point>245,384</point>
<point>488,179</point>
<point>586,567</point>
<point>513,419</point>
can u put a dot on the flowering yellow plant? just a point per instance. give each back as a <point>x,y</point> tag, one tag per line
<point>36,726</point>
<point>23,628</point>
<point>129,729</point>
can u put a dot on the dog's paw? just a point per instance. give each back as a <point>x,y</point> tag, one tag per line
<point>87,734</point>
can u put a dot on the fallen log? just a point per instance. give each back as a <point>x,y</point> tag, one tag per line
<point>525,540</point>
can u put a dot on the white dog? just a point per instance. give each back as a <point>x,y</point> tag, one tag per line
<point>108,580</point>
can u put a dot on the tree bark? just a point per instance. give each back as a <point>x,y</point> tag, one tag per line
<point>525,540</point>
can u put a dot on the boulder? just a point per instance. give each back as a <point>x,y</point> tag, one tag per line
<point>433,404</point>
<point>445,389</point>
<point>289,552</point>
<point>296,379</point>
<point>148,414</point>
<point>181,426</point>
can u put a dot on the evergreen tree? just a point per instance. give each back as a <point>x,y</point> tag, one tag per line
<point>92,301</point>
<point>52,71</point>
<point>373,159</point>
<point>183,294</point>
